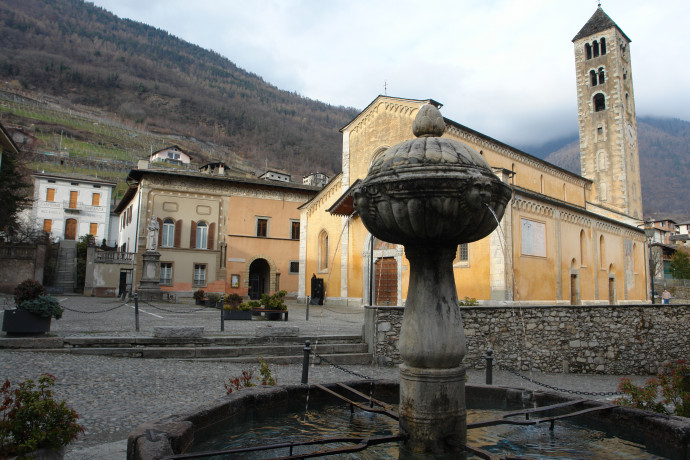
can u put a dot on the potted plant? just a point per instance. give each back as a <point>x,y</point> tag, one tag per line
<point>241,311</point>
<point>32,423</point>
<point>199,297</point>
<point>274,302</point>
<point>34,310</point>
<point>212,299</point>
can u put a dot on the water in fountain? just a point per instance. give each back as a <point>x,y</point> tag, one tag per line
<point>567,441</point>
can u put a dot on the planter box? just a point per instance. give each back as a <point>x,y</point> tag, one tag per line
<point>200,301</point>
<point>237,315</point>
<point>24,322</point>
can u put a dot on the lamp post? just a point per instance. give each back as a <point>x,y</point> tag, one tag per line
<point>649,233</point>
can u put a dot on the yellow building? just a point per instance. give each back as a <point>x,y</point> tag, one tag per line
<point>554,245</point>
<point>563,238</point>
<point>217,233</point>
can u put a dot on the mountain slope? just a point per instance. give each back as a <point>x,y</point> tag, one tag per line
<point>80,52</point>
<point>664,146</point>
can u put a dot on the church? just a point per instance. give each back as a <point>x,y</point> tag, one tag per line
<point>564,238</point>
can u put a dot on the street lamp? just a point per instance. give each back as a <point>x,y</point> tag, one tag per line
<point>649,233</point>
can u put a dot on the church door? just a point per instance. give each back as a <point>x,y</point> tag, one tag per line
<point>386,281</point>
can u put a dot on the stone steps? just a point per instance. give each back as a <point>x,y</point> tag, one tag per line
<point>277,350</point>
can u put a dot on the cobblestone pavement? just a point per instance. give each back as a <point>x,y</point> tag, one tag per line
<point>113,395</point>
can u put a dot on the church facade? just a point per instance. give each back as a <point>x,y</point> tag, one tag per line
<point>561,240</point>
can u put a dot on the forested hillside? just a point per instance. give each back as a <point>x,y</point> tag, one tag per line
<point>88,56</point>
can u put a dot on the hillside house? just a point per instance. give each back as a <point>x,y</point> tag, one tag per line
<point>172,154</point>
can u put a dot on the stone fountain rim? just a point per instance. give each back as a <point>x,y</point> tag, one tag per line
<point>174,434</point>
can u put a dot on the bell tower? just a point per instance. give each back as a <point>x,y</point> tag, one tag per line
<point>606,115</point>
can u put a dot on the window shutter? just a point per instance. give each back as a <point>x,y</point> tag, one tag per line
<point>211,236</point>
<point>160,232</point>
<point>192,236</point>
<point>178,233</point>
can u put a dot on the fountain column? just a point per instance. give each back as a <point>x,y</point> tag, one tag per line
<point>431,194</point>
<point>432,346</point>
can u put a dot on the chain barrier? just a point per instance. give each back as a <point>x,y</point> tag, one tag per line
<point>356,374</point>
<point>94,312</point>
<point>561,390</point>
<point>167,310</point>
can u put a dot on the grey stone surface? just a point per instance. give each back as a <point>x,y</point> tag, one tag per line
<point>178,331</point>
<point>277,331</point>
<point>114,395</point>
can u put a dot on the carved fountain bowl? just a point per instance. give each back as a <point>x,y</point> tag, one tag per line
<point>441,201</point>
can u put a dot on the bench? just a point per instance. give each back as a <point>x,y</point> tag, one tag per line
<point>282,313</point>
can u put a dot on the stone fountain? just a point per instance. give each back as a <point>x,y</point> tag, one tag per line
<point>431,194</point>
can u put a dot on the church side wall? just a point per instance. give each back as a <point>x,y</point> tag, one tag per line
<point>610,339</point>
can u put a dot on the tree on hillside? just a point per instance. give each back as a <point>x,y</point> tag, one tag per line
<point>14,188</point>
<point>680,265</point>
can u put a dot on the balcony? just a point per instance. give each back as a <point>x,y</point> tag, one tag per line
<point>72,206</point>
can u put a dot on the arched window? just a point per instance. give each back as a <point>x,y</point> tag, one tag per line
<point>602,252</point>
<point>602,78</point>
<point>583,248</point>
<point>323,250</point>
<point>168,233</point>
<point>588,51</point>
<point>602,45</point>
<point>595,48</point>
<point>201,235</point>
<point>627,102</point>
<point>599,102</point>
<point>593,77</point>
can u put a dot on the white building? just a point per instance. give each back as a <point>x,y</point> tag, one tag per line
<point>273,174</point>
<point>70,206</point>
<point>172,154</point>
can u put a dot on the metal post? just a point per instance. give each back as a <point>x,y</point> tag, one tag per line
<point>222,319</point>
<point>136,310</point>
<point>651,270</point>
<point>308,302</point>
<point>305,362</point>
<point>489,366</point>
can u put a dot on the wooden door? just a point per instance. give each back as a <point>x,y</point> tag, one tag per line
<point>71,229</point>
<point>386,281</point>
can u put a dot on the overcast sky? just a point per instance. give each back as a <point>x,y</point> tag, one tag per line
<point>502,67</point>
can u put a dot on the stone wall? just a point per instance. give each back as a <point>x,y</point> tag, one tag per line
<point>19,262</point>
<point>607,339</point>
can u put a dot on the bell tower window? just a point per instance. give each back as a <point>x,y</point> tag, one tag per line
<point>602,78</point>
<point>599,101</point>
<point>593,77</point>
<point>602,45</point>
<point>595,48</point>
<point>588,51</point>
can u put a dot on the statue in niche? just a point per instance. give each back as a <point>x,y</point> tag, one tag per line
<point>152,235</point>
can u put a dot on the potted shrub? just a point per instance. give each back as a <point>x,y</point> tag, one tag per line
<point>212,299</point>
<point>241,311</point>
<point>34,310</point>
<point>199,297</point>
<point>274,302</point>
<point>32,423</point>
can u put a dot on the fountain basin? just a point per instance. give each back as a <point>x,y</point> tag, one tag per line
<point>665,436</point>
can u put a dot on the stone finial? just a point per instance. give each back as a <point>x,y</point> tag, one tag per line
<point>428,122</point>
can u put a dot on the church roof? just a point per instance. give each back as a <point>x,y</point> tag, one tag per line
<point>599,22</point>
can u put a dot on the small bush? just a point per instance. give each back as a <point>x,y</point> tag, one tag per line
<point>233,301</point>
<point>199,295</point>
<point>213,297</point>
<point>45,305</point>
<point>468,302</point>
<point>28,290</point>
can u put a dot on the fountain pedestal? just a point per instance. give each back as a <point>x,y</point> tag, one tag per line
<point>431,194</point>
<point>432,346</point>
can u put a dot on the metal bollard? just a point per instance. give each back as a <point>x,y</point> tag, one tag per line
<point>136,310</point>
<point>305,362</point>
<point>308,302</point>
<point>219,304</point>
<point>489,366</point>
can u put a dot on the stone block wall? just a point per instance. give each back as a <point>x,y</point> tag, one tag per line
<point>606,339</point>
<point>19,262</point>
